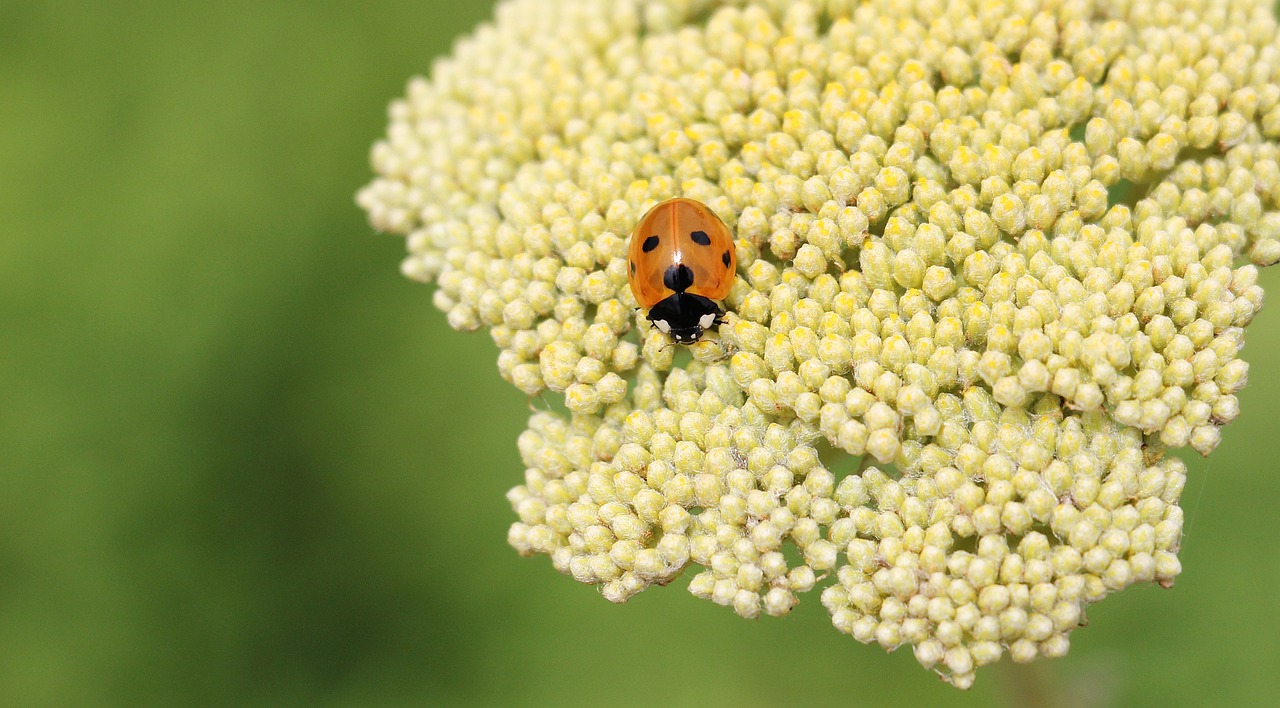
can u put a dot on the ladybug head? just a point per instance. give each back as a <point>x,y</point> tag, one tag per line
<point>684,317</point>
<point>685,335</point>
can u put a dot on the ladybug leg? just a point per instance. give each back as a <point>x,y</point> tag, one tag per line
<point>648,318</point>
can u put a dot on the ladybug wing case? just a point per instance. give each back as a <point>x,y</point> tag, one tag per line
<point>707,248</point>
<point>680,232</point>
<point>651,251</point>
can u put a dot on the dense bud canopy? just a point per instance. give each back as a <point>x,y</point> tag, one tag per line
<point>1004,252</point>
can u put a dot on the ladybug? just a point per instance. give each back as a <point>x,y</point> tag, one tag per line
<point>681,259</point>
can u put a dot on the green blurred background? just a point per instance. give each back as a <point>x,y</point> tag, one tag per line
<point>245,462</point>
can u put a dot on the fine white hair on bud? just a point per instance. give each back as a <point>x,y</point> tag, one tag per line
<point>1004,253</point>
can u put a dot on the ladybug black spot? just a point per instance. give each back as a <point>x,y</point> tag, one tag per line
<point>649,244</point>
<point>633,267</point>
<point>723,259</point>
<point>701,238</point>
<point>678,277</point>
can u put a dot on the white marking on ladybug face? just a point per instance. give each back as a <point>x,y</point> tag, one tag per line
<point>662,326</point>
<point>707,320</point>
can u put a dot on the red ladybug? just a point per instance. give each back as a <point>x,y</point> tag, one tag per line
<point>681,259</point>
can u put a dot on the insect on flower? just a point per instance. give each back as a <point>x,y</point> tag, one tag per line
<point>680,261</point>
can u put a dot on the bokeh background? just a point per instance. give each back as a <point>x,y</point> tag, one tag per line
<point>244,462</point>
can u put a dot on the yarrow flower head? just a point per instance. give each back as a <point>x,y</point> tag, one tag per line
<point>1002,251</point>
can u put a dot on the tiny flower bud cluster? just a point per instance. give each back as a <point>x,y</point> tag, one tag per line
<point>689,473</point>
<point>1002,251</point>
<point>998,545</point>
